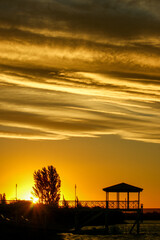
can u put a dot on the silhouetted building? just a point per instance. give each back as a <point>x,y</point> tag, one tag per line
<point>123,188</point>
<point>124,205</point>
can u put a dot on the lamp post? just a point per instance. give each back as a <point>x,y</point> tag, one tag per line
<point>16,192</point>
<point>75,194</point>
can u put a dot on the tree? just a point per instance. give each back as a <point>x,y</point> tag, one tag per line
<point>47,185</point>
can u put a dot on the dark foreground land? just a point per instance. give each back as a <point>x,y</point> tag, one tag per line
<point>149,231</point>
<point>14,231</point>
<point>24,220</point>
<point>50,217</point>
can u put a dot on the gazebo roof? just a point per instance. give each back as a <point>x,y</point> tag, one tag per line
<point>122,187</point>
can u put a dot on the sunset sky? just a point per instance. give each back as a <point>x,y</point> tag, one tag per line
<point>80,90</point>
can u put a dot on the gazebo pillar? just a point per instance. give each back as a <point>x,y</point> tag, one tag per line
<point>107,199</point>
<point>117,199</point>
<point>128,200</point>
<point>106,212</point>
<point>138,200</point>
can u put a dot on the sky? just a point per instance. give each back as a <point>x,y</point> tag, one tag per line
<point>80,90</point>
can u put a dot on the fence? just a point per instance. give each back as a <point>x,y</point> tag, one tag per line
<point>88,204</point>
<point>101,204</point>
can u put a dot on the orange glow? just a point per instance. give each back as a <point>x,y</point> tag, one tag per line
<point>91,164</point>
<point>35,200</point>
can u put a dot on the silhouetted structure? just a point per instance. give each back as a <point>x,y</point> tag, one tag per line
<point>125,205</point>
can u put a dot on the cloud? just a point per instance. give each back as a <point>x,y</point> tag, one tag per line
<point>105,18</point>
<point>79,68</point>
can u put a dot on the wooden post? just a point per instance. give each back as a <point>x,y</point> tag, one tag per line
<point>141,218</point>
<point>127,200</point>
<point>106,212</point>
<point>138,199</point>
<point>138,218</point>
<point>138,214</point>
<point>106,220</point>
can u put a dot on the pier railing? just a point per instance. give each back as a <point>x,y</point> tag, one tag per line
<point>101,204</point>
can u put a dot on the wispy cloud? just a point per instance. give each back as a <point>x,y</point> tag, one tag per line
<point>81,68</point>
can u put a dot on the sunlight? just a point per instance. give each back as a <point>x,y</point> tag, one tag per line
<point>30,197</point>
<point>35,199</point>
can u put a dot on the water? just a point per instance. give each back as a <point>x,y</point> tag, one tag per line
<point>150,230</point>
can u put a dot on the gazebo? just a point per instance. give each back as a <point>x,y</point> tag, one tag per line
<point>123,188</point>
<point>125,205</point>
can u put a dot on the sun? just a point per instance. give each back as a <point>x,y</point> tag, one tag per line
<point>30,197</point>
<point>35,200</point>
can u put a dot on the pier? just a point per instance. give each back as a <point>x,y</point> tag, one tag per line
<point>106,208</point>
